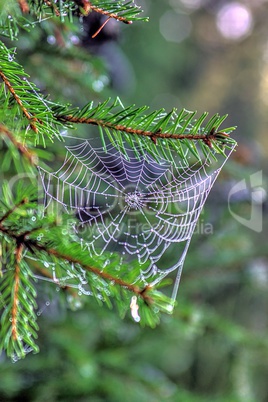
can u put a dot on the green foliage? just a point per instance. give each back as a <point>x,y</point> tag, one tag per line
<point>34,112</point>
<point>12,20</point>
<point>31,242</point>
<point>48,246</point>
<point>127,10</point>
<point>158,133</point>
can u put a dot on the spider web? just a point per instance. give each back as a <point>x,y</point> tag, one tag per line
<point>131,204</point>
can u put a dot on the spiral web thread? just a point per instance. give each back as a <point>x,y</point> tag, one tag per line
<point>130,204</point>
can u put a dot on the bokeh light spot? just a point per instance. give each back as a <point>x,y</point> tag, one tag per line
<point>234,21</point>
<point>192,4</point>
<point>175,27</point>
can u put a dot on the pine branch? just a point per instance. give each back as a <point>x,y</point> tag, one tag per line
<point>25,244</point>
<point>33,107</point>
<point>29,155</point>
<point>25,240</point>
<point>17,298</point>
<point>121,11</point>
<point>12,20</point>
<point>104,275</point>
<point>14,310</point>
<point>10,211</point>
<point>53,7</point>
<point>158,132</point>
<point>27,114</point>
<point>22,14</point>
<point>206,138</point>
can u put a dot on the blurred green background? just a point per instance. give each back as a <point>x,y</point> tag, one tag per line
<point>204,55</point>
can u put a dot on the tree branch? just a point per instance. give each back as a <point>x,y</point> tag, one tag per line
<point>53,6</point>
<point>132,288</point>
<point>110,15</point>
<point>206,138</point>
<point>32,244</point>
<point>31,156</point>
<point>31,118</point>
<point>87,7</point>
<point>14,310</point>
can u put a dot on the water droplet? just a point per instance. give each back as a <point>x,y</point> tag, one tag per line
<point>33,218</point>
<point>170,308</point>
<point>74,39</point>
<point>134,307</point>
<point>14,359</point>
<point>51,39</point>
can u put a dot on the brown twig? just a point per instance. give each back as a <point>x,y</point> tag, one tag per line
<point>206,138</point>
<point>53,6</point>
<point>31,118</point>
<point>14,310</point>
<point>51,251</point>
<point>110,15</point>
<point>24,6</point>
<point>87,7</point>
<point>98,31</point>
<point>31,156</point>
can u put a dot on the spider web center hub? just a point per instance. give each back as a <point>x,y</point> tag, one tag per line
<point>134,200</point>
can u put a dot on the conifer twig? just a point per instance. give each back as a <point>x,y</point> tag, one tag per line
<point>31,118</point>
<point>14,310</point>
<point>109,14</point>
<point>87,7</point>
<point>52,5</point>
<point>10,211</point>
<point>32,244</point>
<point>132,288</point>
<point>100,29</point>
<point>31,156</point>
<point>206,138</point>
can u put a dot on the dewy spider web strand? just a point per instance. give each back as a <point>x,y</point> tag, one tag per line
<point>137,207</point>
